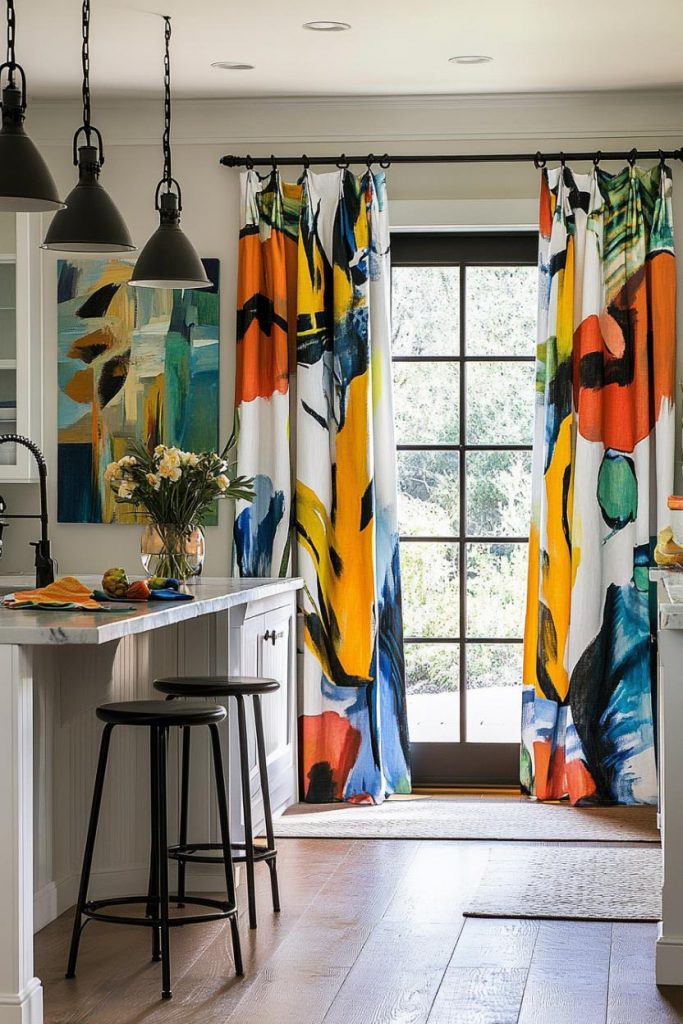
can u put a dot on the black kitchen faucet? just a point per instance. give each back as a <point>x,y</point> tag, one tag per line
<point>45,567</point>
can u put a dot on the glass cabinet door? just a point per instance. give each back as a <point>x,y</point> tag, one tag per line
<point>21,370</point>
<point>8,335</point>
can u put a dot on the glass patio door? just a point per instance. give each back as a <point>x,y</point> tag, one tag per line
<point>464,324</point>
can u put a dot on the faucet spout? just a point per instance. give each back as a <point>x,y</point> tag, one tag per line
<point>45,567</point>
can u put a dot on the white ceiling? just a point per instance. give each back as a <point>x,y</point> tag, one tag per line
<point>394,46</point>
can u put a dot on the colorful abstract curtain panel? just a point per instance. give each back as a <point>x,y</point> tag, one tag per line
<point>603,469</point>
<point>133,364</point>
<point>266,354</point>
<point>314,293</point>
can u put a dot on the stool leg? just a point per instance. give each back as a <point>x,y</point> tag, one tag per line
<point>265,794</point>
<point>153,889</point>
<point>184,802</point>
<point>246,806</point>
<point>163,868</point>
<point>225,839</point>
<point>89,849</point>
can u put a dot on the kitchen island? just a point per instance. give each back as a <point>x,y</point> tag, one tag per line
<point>56,667</point>
<point>669,954</point>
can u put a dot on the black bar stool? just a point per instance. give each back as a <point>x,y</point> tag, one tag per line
<point>158,716</point>
<point>220,687</point>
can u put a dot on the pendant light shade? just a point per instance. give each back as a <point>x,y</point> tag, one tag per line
<point>168,260</point>
<point>26,185</point>
<point>91,221</point>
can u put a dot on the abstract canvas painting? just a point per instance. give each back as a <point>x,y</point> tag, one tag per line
<point>133,363</point>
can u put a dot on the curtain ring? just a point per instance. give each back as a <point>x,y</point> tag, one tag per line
<point>385,161</point>
<point>597,158</point>
<point>563,160</point>
<point>249,163</point>
<point>662,159</point>
<point>343,163</point>
<point>305,161</point>
<point>370,160</point>
<point>632,157</point>
<point>273,162</point>
<point>539,160</point>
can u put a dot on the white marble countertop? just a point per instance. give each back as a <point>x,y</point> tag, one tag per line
<point>670,599</point>
<point>211,594</point>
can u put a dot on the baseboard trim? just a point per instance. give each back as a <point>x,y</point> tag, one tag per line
<point>669,959</point>
<point>24,1008</point>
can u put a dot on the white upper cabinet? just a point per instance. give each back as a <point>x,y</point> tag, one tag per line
<point>21,362</point>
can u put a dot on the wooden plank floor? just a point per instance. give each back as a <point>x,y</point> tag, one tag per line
<point>371,932</point>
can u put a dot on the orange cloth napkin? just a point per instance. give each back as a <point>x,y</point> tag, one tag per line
<point>67,590</point>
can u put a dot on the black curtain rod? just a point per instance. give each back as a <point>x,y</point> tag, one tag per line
<point>538,158</point>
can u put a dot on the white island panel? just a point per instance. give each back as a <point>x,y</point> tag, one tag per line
<point>669,953</point>
<point>56,668</point>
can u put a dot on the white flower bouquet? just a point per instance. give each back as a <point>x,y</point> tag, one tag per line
<point>176,491</point>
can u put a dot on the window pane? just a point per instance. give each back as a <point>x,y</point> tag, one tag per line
<point>500,403</point>
<point>8,297</point>
<point>425,308</point>
<point>494,693</point>
<point>496,589</point>
<point>426,403</point>
<point>8,334</point>
<point>501,310</point>
<point>428,493</point>
<point>429,573</point>
<point>432,686</point>
<point>498,494</point>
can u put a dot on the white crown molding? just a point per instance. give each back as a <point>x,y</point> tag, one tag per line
<point>408,101</point>
<point>234,144</point>
<point>528,121</point>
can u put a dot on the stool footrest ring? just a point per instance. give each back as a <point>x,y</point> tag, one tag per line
<point>197,853</point>
<point>93,910</point>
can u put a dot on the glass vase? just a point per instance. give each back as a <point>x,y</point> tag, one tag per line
<point>170,552</point>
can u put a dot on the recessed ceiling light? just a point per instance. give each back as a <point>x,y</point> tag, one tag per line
<point>470,58</point>
<point>327,26</point>
<point>232,65</point>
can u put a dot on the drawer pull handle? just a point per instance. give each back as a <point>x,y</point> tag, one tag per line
<point>271,635</point>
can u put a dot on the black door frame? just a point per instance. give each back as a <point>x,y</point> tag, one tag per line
<point>464,763</point>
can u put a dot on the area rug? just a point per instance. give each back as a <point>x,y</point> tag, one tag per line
<point>462,817</point>
<point>595,884</point>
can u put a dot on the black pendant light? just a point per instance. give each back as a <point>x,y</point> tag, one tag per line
<point>91,222</point>
<point>169,259</point>
<point>26,185</point>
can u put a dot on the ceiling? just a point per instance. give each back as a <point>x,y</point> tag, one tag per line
<point>394,46</point>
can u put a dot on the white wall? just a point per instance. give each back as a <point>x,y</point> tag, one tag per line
<point>202,132</point>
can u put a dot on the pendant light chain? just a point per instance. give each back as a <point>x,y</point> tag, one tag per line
<point>168,260</point>
<point>11,32</point>
<point>90,221</point>
<point>27,185</point>
<point>85,61</point>
<point>168,174</point>
<point>87,128</point>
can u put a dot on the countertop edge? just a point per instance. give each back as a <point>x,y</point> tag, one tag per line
<point>36,635</point>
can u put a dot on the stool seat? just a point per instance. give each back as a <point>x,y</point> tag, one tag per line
<point>215,686</point>
<point>161,712</point>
